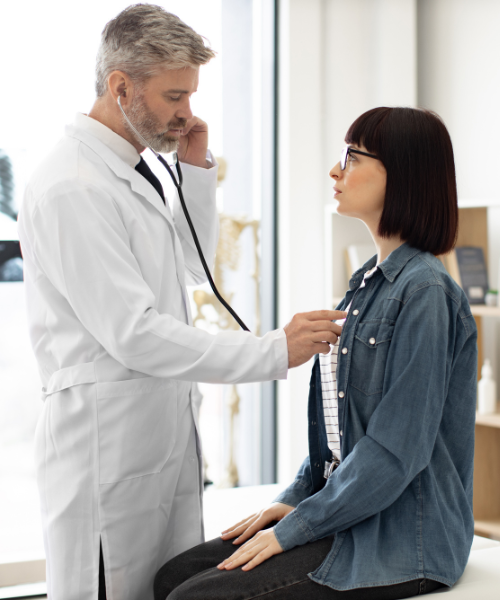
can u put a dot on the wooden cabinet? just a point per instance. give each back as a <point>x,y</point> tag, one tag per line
<point>473,231</point>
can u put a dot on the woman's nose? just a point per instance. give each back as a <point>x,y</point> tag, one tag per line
<point>335,171</point>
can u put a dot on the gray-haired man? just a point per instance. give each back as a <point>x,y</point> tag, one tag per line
<point>106,263</point>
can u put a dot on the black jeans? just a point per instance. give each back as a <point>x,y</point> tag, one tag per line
<point>193,576</point>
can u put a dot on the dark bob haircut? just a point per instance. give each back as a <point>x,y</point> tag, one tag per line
<point>421,193</point>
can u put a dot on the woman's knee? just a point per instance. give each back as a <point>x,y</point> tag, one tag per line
<point>165,580</point>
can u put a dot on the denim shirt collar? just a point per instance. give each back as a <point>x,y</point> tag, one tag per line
<point>391,267</point>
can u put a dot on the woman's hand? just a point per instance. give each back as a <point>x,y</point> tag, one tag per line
<point>248,527</point>
<point>261,547</point>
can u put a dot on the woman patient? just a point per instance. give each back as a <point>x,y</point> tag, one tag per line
<point>382,506</point>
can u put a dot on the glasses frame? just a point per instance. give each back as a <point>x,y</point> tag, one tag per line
<point>348,150</point>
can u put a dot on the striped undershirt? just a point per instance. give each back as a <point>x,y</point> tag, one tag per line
<point>328,368</point>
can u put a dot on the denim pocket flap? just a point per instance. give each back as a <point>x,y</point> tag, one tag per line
<point>374,333</point>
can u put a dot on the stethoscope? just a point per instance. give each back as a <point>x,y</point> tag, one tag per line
<point>177,181</point>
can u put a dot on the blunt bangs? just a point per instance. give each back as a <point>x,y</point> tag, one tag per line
<point>421,193</point>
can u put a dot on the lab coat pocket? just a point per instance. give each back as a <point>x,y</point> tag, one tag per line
<point>369,355</point>
<point>137,427</point>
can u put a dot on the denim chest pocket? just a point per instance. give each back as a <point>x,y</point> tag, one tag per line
<point>369,355</point>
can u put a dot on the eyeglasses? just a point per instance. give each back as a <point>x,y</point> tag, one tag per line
<point>348,150</point>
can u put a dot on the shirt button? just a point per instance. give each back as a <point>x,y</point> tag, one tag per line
<point>344,350</point>
<point>341,433</point>
<point>372,341</point>
<point>355,312</point>
<point>341,394</point>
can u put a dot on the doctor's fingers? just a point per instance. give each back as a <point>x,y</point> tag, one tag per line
<point>325,315</point>
<point>322,348</point>
<point>195,124</point>
<point>326,326</point>
<point>324,336</point>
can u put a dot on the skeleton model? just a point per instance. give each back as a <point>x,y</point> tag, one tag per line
<point>228,257</point>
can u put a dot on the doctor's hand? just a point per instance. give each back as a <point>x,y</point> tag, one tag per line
<point>193,143</point>
<point>261,547</point>
<point>310,333</point>
<point>245,529</point>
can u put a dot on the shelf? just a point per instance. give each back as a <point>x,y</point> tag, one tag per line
<point>475,203</point>
<point>492,420</point>
<point>481,310</point>
<point>487,527</point>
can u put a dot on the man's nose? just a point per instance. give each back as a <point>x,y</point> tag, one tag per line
<point>184,111</point>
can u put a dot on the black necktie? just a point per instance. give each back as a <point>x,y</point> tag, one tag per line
<point>145,171</point>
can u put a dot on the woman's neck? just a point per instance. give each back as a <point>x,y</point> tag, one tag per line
<point>385,246</point>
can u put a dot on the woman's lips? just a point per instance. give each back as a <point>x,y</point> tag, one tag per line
<point>337,191</point>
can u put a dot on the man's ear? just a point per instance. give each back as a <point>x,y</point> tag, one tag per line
<point>119,85</point>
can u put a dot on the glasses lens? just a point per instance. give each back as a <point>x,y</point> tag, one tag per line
<point>343,158</point>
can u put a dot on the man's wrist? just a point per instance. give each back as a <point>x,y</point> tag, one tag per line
<point>205,163</point>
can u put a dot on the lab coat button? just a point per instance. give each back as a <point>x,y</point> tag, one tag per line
<point>344,350</point>
<point>372,341</point>
<point>341,394</point>
<point>355,312</point>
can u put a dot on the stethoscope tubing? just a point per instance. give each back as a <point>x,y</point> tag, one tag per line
<point>178,186</point>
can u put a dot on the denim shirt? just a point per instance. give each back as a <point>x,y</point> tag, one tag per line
<point>400,503</point>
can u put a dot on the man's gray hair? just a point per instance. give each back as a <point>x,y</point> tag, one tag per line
<point>142,39</point>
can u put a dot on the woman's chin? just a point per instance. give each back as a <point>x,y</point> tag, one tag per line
<point>342,210</point>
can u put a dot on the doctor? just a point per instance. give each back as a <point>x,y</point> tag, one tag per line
<point>106,265</point>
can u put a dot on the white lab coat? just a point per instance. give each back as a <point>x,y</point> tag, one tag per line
<point>117,450</point>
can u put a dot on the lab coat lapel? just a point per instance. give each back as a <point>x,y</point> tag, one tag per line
<point>138,183</point>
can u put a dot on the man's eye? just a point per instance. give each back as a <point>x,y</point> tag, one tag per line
<point>175,98</point>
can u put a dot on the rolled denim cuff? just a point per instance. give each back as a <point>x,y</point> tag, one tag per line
<point>294,494</point>
<point>292,531</point>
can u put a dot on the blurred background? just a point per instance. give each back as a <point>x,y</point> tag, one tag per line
<point>289,78</point>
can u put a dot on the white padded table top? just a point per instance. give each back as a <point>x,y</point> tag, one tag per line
<point>480,581</point>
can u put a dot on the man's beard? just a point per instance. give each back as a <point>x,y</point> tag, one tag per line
<point>149,127</point>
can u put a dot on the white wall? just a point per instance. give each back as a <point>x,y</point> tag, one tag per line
<point>459,78</point>
<point>337,59</point>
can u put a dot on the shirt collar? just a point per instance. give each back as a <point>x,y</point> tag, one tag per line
<point>107,136</point>
<point>390,267</point>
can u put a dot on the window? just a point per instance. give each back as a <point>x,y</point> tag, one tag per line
<point>52,77</point>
